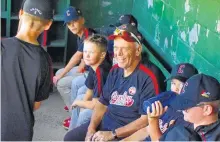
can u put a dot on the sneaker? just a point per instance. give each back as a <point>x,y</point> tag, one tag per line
<point>66,125</point>
<point>67,120</point>
<point>66,109</point>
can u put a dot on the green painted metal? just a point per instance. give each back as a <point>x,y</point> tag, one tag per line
<point>3,5</point>
<point>102,12</point>
<point>178,30</point>
<point>182,31</point>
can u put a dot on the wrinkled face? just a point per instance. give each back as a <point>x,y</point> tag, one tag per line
<point>176,86</point>
<point>125,52</point>
<point>75,26</point>
<point>92,54</point>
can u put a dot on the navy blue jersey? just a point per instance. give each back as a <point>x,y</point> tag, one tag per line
<point>209,132</point>
<point>180,133</point>
<point>80,41</point>
<point>124,96</point>
<point>96,79</point>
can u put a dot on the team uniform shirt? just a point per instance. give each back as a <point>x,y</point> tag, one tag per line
<point>26,78</point>
<point>80,41</point>
<point>158,73</point>
<point>124,96</point>
<point>180,133</point>
<point>96,79</point>
<point>209,132</point>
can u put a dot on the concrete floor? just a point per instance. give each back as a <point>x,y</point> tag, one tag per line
<point>49,119</point>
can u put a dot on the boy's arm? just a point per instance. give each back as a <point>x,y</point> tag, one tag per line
<point>87,101</point>
<point>76,58</point>
<point>81,67</point>
<point>154,128</point>
<point>86,104</point>
<point>45,81</point>
<point>88,95</point>
<point>37,105</point>
<point>153,119</point>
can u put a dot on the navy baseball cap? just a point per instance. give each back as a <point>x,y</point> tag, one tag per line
<point>126,19</point>
<point>128,32</point>
<point>182,72</point>
<point>197,89</point>
<point>72,13</point>
<point>39,8</point>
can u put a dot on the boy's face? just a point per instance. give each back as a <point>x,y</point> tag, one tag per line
<point>92,54</point>
<point>176,85</point>
<point>75,26</point>
<point>194,115</point>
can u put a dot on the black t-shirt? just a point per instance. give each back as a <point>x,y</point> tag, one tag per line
<point>25,79</point>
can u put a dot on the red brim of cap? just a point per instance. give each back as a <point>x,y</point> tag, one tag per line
<point>127,38</point>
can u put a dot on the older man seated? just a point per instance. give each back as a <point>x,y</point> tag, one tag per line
<point>118,113</point>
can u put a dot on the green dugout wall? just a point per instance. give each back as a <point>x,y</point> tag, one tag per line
<point>177,30</point>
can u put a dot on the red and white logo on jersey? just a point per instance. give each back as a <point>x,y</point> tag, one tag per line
<point>132,90</point>
<point>121,100</point>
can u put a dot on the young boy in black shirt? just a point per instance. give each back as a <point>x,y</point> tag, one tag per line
<point>26,72</point>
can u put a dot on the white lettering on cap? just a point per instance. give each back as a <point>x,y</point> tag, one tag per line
<point>68,13</point>
<point>36,10</point>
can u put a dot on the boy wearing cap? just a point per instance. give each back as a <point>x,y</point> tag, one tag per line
<point>118,113</point>
<point>94,53</point>
<point>74,20</point>
<point>26,72</point>
<point>159,123</point>
<point>199,101</point>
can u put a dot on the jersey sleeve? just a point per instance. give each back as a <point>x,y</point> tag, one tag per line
<point>105,96</point>
<point>147,91</point>
<point>90,80</point>
<point>80,45</point>
<point>46,74</point>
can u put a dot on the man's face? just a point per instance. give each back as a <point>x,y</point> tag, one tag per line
<point>176,86</point>
<point>75,26</point>
<point>125,52</point>
<point>91,54</point>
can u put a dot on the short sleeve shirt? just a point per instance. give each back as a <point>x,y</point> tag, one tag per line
<point>124,96</point>
<point>96,79</point>
<point>26,78</point>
